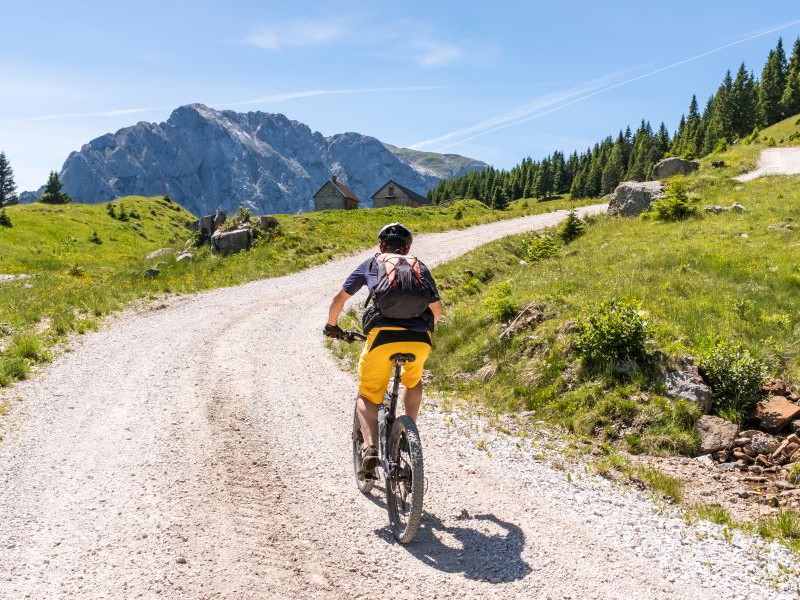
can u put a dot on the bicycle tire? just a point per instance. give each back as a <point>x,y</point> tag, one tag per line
<point>404,497</point>
<point>364,485</point>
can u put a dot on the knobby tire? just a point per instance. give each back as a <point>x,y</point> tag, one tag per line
<point>404,497</point>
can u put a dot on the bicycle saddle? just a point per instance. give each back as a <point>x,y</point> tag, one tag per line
<point>402,358</point>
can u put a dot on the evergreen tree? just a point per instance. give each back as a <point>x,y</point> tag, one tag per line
<point>613,170</point>
<point>8,189</point>
<point>53,194</point>
<point>744,103</point>
<point>773,83</point>
<point>790,100</point>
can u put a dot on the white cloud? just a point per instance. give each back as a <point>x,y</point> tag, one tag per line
<point>300,32</point>
<point>434,53</point>
<point>283,97</point>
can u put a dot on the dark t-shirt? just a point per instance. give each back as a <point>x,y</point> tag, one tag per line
<point>367,275</point>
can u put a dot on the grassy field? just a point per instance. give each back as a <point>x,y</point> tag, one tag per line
<point>732,278</point>
<point>85,261</point>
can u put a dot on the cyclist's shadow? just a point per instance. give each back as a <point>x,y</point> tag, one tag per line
<point>472,548</point>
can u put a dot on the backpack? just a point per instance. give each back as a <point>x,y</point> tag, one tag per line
<point>401,291</point>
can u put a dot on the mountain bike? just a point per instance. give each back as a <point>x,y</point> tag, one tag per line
<point>400,453</point>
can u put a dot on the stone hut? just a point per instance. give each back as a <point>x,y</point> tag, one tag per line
<point>394,194</point>
<point>334,195</point>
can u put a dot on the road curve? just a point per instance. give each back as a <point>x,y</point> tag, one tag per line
<point>200,450</point>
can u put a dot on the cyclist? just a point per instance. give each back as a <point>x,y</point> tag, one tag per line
<point>420,308</point>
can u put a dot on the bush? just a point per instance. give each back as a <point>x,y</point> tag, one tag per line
<point>541,247</point>
<point>722,145</point>
<point>571,228</point>
<point>95,239</point>
<point>459,214</point>
<point>735,377</point>
<point>612,331</point>
<point>5,220</point>
<point>675,205</point>
<point>499,302</point>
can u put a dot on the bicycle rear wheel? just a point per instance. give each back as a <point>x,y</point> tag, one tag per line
<point>364,485</point>
<point>406,484</point>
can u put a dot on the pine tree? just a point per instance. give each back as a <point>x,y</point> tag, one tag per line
<point>773,83</point>
<point>790,100</point>
<point>8,189</point>
<point>613,170</point>
<point>52,191</point>
<point>744,103</point>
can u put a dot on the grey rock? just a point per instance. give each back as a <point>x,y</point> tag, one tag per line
<point>795,425</point>
<point>206,159</point>
<point>715,433</point>
<point>689,386</point>
<point>632,198</point>
<point>151,273</point>
<point>267,223</point>
<point>784,485</point>
<point>764,443</point>
<point>230,242</point>
<point>674,166</point>
<point>735,207</point>
<point>706,460</point>
<point>184,256</point>
<point>741,492</point>
<point>161,252</point>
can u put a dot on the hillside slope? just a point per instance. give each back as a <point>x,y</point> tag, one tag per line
<point>207,159</point>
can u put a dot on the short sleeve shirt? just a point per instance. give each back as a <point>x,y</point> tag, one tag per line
<point>366,274</point>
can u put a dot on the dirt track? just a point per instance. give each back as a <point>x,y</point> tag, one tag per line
<point>202,451</point>
<point>775,161</point>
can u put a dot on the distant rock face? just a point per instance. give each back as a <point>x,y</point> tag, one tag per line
<point>632,198</point>
<point>208,160</point>
<point>674,166</point>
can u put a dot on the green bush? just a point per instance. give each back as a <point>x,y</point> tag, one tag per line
<point>722,145</point>
<point>541,247</point>
<point>499,303</point>
<point>612,331</point>
<point>675,205</point>
<point>735,377</point>
<point>571,228</point>
<point>5,220</point>
<point>95,239</point>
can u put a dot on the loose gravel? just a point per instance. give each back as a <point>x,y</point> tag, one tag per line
<point>200,449</point>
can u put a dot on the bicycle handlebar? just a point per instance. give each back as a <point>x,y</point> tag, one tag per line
<point>351,336</point>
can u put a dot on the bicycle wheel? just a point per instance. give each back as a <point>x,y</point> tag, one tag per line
<point>406,484</point>
<point>364,485</point>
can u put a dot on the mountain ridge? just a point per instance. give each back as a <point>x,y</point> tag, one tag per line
<point>207,159</point>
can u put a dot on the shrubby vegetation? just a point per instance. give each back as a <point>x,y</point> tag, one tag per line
<point>612,331</point>
<point>675,206</point>
<point>735,376</point>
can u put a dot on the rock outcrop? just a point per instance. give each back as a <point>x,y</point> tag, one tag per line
<point>207,160</point>
<point>674,166</point>
<point>632,198</point>
<point>715,434</point>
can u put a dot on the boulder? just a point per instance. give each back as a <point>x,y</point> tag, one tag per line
<point>674,166</point>
<point>715,433</point>
<point>735,207</point>
<point>773,414</point>
<point>151,273</point>
<point>764,443</point>
<point>230,242</point>
<point>689,386</point>
<point>632,198</point>
<point>161,252</point>
<point>209,224</point>
<point>184,256</point>
<point>267,223</point>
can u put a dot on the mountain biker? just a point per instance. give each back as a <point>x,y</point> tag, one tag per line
<point>387,335</point>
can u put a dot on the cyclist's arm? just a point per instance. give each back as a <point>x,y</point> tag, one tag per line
<point>436,309</point>
<point>337,305</point>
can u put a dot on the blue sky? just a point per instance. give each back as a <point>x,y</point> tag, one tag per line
<point>496,81</point>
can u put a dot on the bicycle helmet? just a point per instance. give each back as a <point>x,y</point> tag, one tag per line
<point>396,231</point>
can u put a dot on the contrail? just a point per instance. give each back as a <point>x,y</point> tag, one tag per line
<point>505,121</point>
<point>283,97</point>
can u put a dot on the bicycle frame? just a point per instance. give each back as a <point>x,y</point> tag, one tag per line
<point>389,418</point>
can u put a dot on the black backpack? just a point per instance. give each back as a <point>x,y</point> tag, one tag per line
<point>401,291</point>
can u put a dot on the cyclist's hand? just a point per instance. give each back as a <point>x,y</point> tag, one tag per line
<point>332,331</point>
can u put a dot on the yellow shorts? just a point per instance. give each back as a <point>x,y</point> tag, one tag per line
<point>375,368</point>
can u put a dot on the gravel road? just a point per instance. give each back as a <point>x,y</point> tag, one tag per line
<point>775,161</point>
<point>200,449</point>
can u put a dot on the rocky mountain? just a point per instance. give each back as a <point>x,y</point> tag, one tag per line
<point>207,159</point>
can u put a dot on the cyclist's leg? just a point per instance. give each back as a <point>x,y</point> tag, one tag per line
<point>412,377</point>
<point>368,419</point>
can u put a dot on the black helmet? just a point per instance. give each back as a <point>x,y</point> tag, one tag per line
<point>396,231</point>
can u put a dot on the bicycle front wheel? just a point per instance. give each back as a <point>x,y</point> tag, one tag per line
<point>406,484</point>
<point>364,484</point>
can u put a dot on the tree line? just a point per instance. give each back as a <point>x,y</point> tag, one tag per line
<point>739,108</point>
<point>52,193</point>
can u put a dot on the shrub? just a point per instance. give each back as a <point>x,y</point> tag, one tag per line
<point>499,302</point>
<point>571,228</point>
<point>675,205</point>
<point>95,239</point>
<point>613,330</point>
<point>5,220</point>
<point>735,377</point>
<point>27,346</point>
<point>459,214</point>
<point>541,247</point>
<point>722,145</point>
<point>112,212</point>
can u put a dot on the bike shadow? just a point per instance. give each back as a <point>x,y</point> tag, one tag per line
<point>482,547</point>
